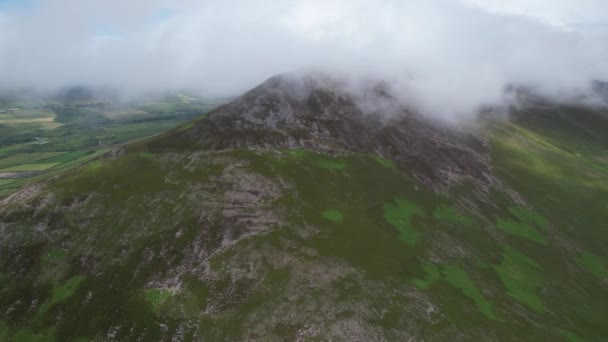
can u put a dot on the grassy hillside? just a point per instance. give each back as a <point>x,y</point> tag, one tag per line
<point>161,242</point>
<point>295,215</point>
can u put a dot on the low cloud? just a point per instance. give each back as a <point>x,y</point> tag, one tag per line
<point>449,57</point>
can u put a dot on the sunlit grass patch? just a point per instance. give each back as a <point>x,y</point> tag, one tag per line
<point>522,277</point>
<point>156,297</point>
<point>526,225</point>
<point>460,279</point>
<point>594,264</point>
<point>333,216</point>
<point>399,214</point>
<point>546,157</point>
<point>382,161</point>
<point>330,164</point>
<point>147,155</point>
<point>432,276</point>
<point>529,216</point>
<point>62,293</point>
<point>66,290</point>
<point>520,229</point>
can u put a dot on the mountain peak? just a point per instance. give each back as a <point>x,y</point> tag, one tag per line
<point>326,114</point>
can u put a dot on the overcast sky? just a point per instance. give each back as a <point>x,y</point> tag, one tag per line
<point>459,52</point>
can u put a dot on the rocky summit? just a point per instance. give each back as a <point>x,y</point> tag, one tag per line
<point>320,113</point>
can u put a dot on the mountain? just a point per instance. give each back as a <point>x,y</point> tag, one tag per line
<point>319,114</point>
<point>304,210</point>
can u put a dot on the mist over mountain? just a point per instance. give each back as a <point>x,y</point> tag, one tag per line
<point>300,211</point>
<point>448,56</point>
<point>308,170</point>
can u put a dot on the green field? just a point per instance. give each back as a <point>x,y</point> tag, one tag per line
<point>40,135</point>
<point>30,167</point>
<point>25,114</point>
<point>6,181</point>
<point>22,158</point>
<point>66,157</point>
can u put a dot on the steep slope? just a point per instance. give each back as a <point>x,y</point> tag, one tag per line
<point>294,213</point>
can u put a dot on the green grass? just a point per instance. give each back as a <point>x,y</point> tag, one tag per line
<point>15,186</point>
<point>383,161</point>
<point>28,335</point>
<point>460,279</point>
<point>433,274</point>
<point>333,216</point>
<point>593,264</point>
<point>330,164</point>
<point>521,230</point>
<point>62,293</point>
<point>64,158</point>
<point>23,154</point>
<point>522,277</point>
<point>66,290</point>
<point>25,158</point>
<point>529,217</point>
<point>82,128</point>
<point>364,238</point>
<point>572,337</point>
<point>400,214</point>
<point>7,192</point>
<point>30,167</point>
<point>564,178</point>
<point>146,155</point>
<point>56,254</point>
<point>156,297</point>
<point>569,189</point>
<point>6,181</point>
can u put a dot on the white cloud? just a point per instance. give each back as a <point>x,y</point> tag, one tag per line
<point>448,55</point>
<point>562,13</point>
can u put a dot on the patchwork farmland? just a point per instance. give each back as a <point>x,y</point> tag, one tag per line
<point>43,136</point>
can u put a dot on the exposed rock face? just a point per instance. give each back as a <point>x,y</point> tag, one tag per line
<point>320,113</point>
